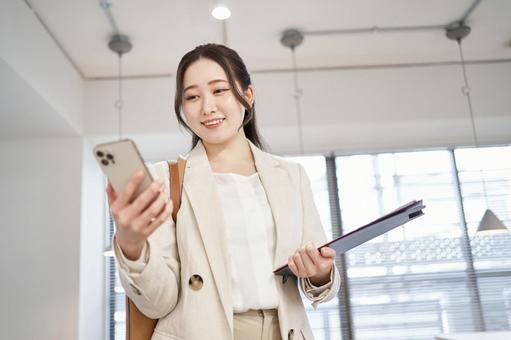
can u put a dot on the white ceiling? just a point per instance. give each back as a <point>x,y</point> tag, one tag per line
<point>163,30</point>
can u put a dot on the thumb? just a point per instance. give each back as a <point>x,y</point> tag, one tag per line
<point>327,252</point>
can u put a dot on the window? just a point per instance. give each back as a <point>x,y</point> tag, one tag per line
<point>434,275</point>
<point>483,187</point>
<point>413,277</point>
<point>116,299</point>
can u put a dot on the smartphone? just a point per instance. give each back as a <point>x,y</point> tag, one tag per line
<point>120,160</point>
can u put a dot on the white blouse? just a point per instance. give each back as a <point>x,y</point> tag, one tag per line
<point>251,241</point>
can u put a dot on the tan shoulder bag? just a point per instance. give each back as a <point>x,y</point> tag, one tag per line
<point>139,326</point>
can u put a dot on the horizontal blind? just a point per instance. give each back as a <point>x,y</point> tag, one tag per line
<point>325,321</point>
<point>485,177</point>
<point>414,281</point>
<point>116,297</point>
<point>422,279</point>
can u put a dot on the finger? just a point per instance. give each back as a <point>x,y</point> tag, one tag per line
<point>299,265</point>
<point>159,220</point>
<point>328,252</point>
<point>310,267</point>
<point>292,266</point>
<point>147,197</point>
<point>112,196</point>
<point>313,253</point>
<point>129,189</point>
<point>152,211</point>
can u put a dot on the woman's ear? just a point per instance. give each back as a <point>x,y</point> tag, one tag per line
<point>250,94</point>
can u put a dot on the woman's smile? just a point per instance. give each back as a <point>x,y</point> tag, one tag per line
<point>213,123</point>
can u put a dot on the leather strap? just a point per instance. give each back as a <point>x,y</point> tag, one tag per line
<point>139,326</point>
<point>176,174</point>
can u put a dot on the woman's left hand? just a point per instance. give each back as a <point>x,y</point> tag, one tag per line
<point>309,262</point>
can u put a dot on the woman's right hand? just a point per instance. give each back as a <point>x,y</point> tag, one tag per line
<point>137,220</point>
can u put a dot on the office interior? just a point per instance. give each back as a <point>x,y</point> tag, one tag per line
<point>371,96</point>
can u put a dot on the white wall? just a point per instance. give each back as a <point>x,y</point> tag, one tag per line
<point>32,54</point>
<point>40,181</point>
<point>92,244</point>
<point>345,110</point>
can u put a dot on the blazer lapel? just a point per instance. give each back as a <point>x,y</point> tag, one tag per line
<point>281,195</point>
<point>199,184</point>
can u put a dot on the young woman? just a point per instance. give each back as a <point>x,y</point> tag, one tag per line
<point>244,212</point>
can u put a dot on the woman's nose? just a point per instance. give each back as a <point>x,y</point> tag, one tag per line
<point>208,105</point>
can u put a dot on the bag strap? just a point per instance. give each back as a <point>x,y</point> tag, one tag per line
<point>176,174</point>
<point>139,326</point>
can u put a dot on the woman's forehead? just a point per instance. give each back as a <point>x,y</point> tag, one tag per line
<point>203,71</point>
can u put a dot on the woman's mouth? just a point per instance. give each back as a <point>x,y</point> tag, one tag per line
<point>211,124</point>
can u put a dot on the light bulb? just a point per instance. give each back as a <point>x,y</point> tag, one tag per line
<point>221,13</point>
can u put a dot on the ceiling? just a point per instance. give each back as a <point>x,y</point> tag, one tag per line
<point>163,30</point>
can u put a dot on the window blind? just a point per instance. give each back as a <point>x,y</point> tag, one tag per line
<point>434,275</point>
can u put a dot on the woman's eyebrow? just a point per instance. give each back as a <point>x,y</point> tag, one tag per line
<point>209,83</point>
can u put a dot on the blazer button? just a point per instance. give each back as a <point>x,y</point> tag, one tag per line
<point>284,279</point>
<point>195,282</point>
<point>135,289</point>
<point>291,334</point>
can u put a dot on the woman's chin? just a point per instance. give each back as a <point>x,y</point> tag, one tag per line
<point>216,140</point>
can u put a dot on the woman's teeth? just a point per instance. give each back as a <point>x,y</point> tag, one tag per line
<point>214,122</point>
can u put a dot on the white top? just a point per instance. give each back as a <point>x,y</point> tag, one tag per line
<point>251,241</point>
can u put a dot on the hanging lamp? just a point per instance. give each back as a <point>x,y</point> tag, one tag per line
<point>490,221</point>
<point>119,44</point>
<point>292,38</point>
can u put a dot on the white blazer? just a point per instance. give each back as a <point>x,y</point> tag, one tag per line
<point>186,283</point>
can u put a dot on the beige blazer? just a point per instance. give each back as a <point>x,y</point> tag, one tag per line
<point>186,282</point>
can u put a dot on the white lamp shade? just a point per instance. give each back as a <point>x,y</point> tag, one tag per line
<point>490,222</point>
<point>108,252</point>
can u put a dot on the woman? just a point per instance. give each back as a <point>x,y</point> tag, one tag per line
<point>243,213</point>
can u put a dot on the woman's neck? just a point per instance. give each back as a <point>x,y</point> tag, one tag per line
<point>235,151</point>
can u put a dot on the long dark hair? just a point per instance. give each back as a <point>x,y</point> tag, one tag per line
<point>236,71</point>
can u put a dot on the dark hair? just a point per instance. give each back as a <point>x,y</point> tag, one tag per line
<point>236,71</point>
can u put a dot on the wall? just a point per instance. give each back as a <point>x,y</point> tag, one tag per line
<point>40,243</point>
<point>92,244</point>
<point>31,53</point>
<point>345,110</point>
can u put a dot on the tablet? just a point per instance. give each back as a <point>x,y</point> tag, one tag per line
<point>395,218</point>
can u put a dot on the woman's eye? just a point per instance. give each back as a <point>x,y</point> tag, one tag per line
<point>191,97</point>
<point>220,90</point>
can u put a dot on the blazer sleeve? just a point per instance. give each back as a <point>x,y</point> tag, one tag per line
<point>314,231</point>
<point>152,282</point>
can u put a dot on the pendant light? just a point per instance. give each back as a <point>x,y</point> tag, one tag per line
<point>119,44</point>
<point>489,222</point>
<point>292,38</point>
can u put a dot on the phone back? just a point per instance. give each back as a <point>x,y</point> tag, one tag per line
<point>120,160</point>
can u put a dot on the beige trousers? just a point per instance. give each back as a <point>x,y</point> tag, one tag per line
<point>257,325</point>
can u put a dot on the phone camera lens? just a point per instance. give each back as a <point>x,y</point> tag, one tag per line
<point>104,161</point>
<point>100,154</point>
<point>109,156</point>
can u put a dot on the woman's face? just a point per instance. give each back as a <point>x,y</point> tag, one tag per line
<point>209,105</point>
